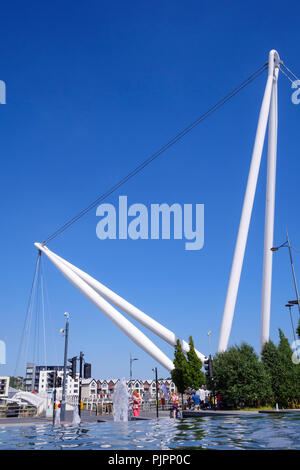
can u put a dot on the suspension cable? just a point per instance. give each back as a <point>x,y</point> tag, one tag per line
<point>38,314</point>
<point>296,78</point>
<point>171,142</point>
<point>284,73</point>
<point>26,327</point>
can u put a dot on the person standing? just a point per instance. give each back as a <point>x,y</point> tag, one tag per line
<point>175,404</point>
<point>196,401</point>
<point>136,402</point>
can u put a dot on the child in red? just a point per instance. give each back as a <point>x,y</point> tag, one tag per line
<point>136,403</point>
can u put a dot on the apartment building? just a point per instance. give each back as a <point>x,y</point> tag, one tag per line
<point>88,388</point>
<point>40,379</point>
<point>145,388</point>
<point>4,384</point>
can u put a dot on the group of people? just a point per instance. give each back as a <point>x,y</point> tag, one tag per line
<point>202,399</point>
<point>195,400</point>
<point>136,402</point>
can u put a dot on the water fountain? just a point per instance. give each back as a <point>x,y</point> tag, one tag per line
<point>76,418</point>
<point>57,416</point>
<point>121,401</point>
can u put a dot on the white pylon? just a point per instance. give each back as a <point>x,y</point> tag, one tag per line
<point>240,247</point>
<point>269,217</point>
<point>160,330</point>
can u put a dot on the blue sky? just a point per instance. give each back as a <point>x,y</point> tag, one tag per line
<point>92,90</point>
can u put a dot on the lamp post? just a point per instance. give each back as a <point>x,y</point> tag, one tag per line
<point>64,384</point>
<point>287,244</point>
<point>81,356</point>
<point>156,383</point>
<point>54,393</point>
<point>209,343</point>
<point>131,361</point>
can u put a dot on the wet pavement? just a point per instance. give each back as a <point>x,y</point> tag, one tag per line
<point>86,417</point>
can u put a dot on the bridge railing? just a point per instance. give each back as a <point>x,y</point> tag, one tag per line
<point>17,411</point>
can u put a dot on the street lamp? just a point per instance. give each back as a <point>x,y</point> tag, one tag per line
<point>287,244</point>
<point>209,343</point>
<point>131,361</point>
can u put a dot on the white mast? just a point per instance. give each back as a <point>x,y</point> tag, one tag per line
<point>248,205</point>
<point>269,216</point>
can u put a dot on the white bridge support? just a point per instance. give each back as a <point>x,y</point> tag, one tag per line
<point>109,311</point>
<point>270,92</point>
<point>101,295</point>
<point>269,216</point>
<point>154,326</point>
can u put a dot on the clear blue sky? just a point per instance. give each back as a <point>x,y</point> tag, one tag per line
<point>92,90</point>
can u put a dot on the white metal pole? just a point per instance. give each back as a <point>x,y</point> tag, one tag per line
<point>247,210</point>
<point>64,384</point>
<point>154,326</point>
<point>109,311</point>
<point>269,217</point>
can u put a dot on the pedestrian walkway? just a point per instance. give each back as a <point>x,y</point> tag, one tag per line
<point>86,418</point>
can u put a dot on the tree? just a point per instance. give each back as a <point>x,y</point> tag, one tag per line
<point>284,374</point>
<point>271,363</point>
<point>196,377</point>
<point>240,377</point>
<point>180,372</point>
<point>298,329</point>
<point>289,387</point>
<point>16,382</point>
